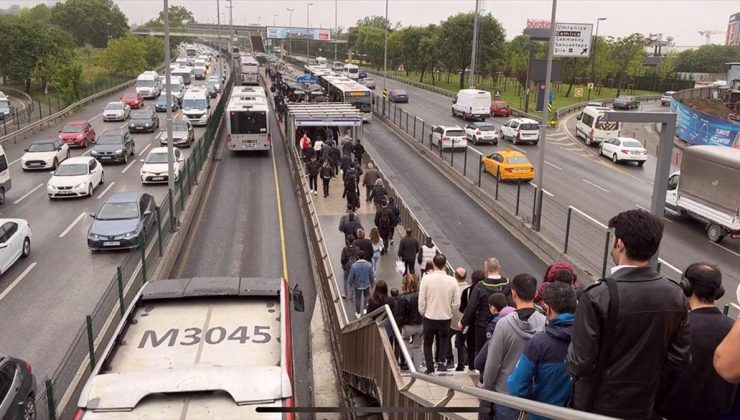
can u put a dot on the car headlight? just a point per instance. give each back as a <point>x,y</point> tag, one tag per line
<point>119,151</point>
<point>148,125</point>
<point>50,187</point>
<point>80,185</point>
<point>94,236</point>
<point>129,235</point>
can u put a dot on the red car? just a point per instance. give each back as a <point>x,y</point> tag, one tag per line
<point>500,109</point>
<point>133,99</point>
<point>77,133</point>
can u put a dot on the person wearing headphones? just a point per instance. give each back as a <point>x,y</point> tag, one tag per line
<point>699,392</point>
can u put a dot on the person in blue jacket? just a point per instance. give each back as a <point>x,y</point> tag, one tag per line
<point>540,372</point>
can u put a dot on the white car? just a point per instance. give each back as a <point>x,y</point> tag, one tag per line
<point>116,111</point>
<point>623,149</point>
<point>520,130</point>
<point>481,132</point>
<point>15,242</point>
<point>216,81</point>
<point>75,177</point>
<point>44,154</point>
<point>154,169</point>
<point>448,137</point>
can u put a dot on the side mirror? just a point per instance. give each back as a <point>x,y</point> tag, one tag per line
<point>147,212</point>
<point>296,295</point>
<point>5,245</point>
<point>91,215</point>
<point>578,117</point>
<point>141,160</point>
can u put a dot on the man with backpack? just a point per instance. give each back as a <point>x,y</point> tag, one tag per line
<point>349,224</point>
<point>351,191</point>
<point>384,223</point>
<point>313,167</point>
<point>326,173</point>
<point>371,175</point>
<point>350,255</point>
<point>359,151</point>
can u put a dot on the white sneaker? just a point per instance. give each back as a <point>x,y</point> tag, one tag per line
<point>357,315</point>
<point>315,192</point>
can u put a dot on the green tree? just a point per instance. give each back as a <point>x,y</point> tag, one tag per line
<point>369,41</point>
<point>379,22</point>
<point>628,53</point>
<point>667,67</point>
<point>125,56</point>
<point>428,51</point>
<point>54,48</point>
<point>28,43</point>
<point>179,18</point>
<point>68,80</point>
<point>38,13</point>
<point>153,51</point>
<point>90,21</point>
<point>707,59</point>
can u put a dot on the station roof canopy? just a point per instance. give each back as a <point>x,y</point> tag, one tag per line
<point>325,114</point>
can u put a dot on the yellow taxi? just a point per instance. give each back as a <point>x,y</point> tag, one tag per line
<point>509,164</point>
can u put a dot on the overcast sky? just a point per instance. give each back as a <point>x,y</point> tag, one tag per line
<point>680,18</point>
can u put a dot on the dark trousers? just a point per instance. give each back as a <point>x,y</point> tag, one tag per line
<point>312,184</point>
<point>384,235</point>
<point>325,181</point>
<point>461,347</point>
<point>480,338</point>
<point>432,328</point>
<point>470,347</point>
<point>368,190</point>
<point>449,357</point>
<point>410,266</point>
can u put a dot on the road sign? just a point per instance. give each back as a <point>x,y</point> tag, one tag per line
<point>385,93</point>
<point>579,92</point>
<point>590,85</point>
<point>573,39</point>
<point>307,79</point>
<point>549,107</point>
<point>550,96</point>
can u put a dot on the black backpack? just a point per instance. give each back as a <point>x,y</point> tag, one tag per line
<point>384,219</point>
<point>352,253</point>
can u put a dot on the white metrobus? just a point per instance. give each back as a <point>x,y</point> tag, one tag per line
<point>249,70</point>
<point>248,122</point>
<point>341,89</point>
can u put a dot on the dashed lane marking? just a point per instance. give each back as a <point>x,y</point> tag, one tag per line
<point>594,185</point>
<point>554,166</point>
<point>72,225</point>
<point>726,249</point>
<point>127,167</point>
<point>543,190</point>
<point>144,149</point>
<point>106,189</point>
<point>24,196</point>
<point>17,280</point>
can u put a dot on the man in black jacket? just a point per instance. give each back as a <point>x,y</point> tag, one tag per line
<point>359,151</point>
<point>313,167</point>
<point>631,334</point>
<point>407,250</point>
<point>700,393</point>
<point>477,313</point>
<point>349,225</point>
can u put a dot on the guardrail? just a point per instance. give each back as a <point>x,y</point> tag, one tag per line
<point>57,397</point>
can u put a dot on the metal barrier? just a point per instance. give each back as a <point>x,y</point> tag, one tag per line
<point>57,398</point>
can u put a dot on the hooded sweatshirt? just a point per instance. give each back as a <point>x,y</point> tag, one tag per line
<point>540,372</point>
<point>509,339</point>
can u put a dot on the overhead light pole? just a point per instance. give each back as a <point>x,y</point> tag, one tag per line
<point>385,47</point>
<point>593,55</point>
<point>308,29</point>
<point>168,103</point>
<point>290,25</point>
<point>475,44</point>
<point>336,2</point>
<point>273,20</point>
<point>231,35</point>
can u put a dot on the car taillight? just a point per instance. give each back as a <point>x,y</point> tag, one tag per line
<point>28,365</point>
<point>477,133</point>
<point>78,414</point>
<point>228,138</point>
<point>625,151</point>
<point>445,138</point>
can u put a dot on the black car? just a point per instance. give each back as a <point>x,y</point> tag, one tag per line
<point>398,95</point>
<point>144,120</point>
<point>160,105</point>
<point>361,74</point>
<point>626,102</point>
<point>114,146</point>
<point>122,221</point>
<point>17,385</point>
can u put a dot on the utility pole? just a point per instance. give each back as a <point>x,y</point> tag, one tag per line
<point>308,30</point>
<point>168,101</point>
<point>336,2</point>
<point>593,55</point>
<point>537,220</point>
<point>231,35</point>
<point>220,45</point>
<point>385,47</point>
<point>273,20</point>
<point>471,82</point>
<point>290,25</point>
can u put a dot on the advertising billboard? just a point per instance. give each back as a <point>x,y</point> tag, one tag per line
<point>733,30</point>
<point>314,34</point>
<point>699,128</point>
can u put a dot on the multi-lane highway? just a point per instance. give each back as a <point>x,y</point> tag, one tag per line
<point>45,297</point>
<point>576,176</point>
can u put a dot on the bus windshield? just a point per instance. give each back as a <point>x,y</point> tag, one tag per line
<point>363,103</point>
<point>248,122</point>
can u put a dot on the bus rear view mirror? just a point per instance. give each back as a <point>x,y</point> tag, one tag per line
<point>296,295</point>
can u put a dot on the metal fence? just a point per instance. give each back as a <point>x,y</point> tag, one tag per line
<point>57,397</point>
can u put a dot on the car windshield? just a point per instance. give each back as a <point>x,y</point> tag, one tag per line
<point>110,139</point>
<point>529,126</point>
<point>71,169</point>
<point>632,143</point>
<point>140,115</point>
<point>130,96</point>
<point>114,106</point>
<point>516,159</point>
<point>74,128</point>
<point>399,92</point>
<point>500,105</point>
<point>145,83</point>
<point>194,104</point>
<point>623,98</point>
<point>179,126</point>
<point>118,211</point>
<point>156,158</point>
<point>41,147</point>
<point>486,128</point>
<point>454,133</point>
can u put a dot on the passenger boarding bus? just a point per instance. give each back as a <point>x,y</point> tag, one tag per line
<point>197,348</point>
<point>248,124</point>
<point>341,89</point>
<point>249,70</point>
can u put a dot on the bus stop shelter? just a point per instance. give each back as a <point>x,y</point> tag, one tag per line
<point>316,118</point>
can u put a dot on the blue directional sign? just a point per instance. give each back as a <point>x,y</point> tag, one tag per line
<point>307,79</point>
<point>550,96</point>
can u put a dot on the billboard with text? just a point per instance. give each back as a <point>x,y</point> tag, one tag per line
<point>697,127</point>
<point>314,34</point>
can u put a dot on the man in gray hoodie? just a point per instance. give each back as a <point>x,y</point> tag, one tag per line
<point>509,339</point>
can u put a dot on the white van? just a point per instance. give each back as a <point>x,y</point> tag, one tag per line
<point>591,126</point>
<point>148,85</point>
<point>472,104</point>
<point>196,106</point>
<point>185,72</point>
<point>177,86</point>
<point>5,183</point>
<point>351,71</point>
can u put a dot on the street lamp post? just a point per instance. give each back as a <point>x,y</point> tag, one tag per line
<point>475,44</point>
<point>273,20</point>
<point>308,29</point>
<point>385,47</point>
<point>220,45</point>
<point>168,103</point>
<point>335,29</point>
<point>290,25</point>
<point>593,55</point>
<point>231,35</point>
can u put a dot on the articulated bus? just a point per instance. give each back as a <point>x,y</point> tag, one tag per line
<point>341,89</point>
<point>249,70</point>
<point>248,121</point>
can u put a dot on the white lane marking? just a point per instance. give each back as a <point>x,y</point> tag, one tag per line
<point>594,185</point>
<point>71,226</point>
<point>521,150</point>
<point>735,305</point>
<point>667,219</point>
<point>127,167</point>
<point>672,267</point>
<point>554,166</point>
<point>726,249</point>
<point>144,149</point>
<point>27,194</point>
<point>543,190</point>
<point>96,117</point>
<point>640,207</point>
<point>17,280</point>
<point>125,123</point>
<point>106,189</point>
<point>16,161</point>
<point>87,152</point>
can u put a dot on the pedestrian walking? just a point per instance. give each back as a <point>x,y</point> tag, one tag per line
<point>347,147</point>
<point>349,224</point>
<point>379,297</point>
<point>426,253</point>
<point>378,247</point>
<point>408,248</point>
<point>345,163</point>
<point>631,336</point>
<point>396,212</point>
<point>335,160</point>
<point>326,173</point>
<point>361,279</point>
<point>365,245</point>
<point>468,331</point>
<point>350,255</point>
<point>409,318</point>
<point>306,146</point>
<point>439,298</point>
<point>351,193</point>
<point>313,167</point>
<point>318,145</point>
<point>456,332</point>
<point>379,195</point>
<point>561,272</point>
<point>384,222</point>
<point>368,181</point>
<point>359,151</point>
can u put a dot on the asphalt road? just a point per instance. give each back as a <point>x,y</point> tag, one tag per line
<point>576,176</point>
<point>237,232</point>
<point>44,298</point>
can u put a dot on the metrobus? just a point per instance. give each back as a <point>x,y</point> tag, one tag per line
<point>249,93</point>
<point>248,124</point>
<point>341,89</point>
<point>191,51</point>
<point>249,70</point>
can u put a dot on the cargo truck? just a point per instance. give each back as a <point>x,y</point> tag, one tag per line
<point>198,348</point>
<point>707,189</point>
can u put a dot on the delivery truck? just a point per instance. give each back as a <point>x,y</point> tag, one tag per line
<point>707,188</point>
<point>198,348</point>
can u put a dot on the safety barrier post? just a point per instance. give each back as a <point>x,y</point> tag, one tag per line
<point>21,409</point>
<point>90,341</point>
<point>465,161</point>
<point>190,181</point>
<point>439,146</point>
<point>50,400</point>
<point>158,221</point>
<point>407,121</point>
<point>142,246</point>
<point>726,310</point>
<point>534,199</point>
<point>480,168</point>
<point>518,192</point>
<point>49,100</point>
<point>119,281</point>
<point>41,117</point>
<point>423,126</point>
<point>413,136</point>
<point>606,253</point>
<point>498,180</point>
<point>182,197</point>
<point>172,212</point>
